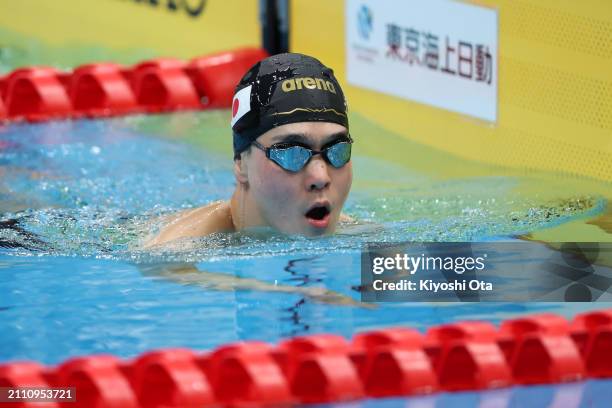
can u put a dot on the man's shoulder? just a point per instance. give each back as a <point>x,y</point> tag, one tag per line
<point>194,223</point>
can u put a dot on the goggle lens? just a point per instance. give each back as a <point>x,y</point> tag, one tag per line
<point>291,158</point>
<point>339,154</point>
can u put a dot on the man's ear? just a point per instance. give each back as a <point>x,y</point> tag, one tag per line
<point>241,171</point>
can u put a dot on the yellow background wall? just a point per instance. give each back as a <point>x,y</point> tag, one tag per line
<point>131,24</point>
<point>555,87</point>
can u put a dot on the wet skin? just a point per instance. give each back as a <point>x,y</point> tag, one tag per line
<point>266,195</point>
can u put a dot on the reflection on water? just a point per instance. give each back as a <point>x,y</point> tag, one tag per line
<point>594,393</point>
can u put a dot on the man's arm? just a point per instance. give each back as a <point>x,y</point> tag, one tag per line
<point>188,274</point>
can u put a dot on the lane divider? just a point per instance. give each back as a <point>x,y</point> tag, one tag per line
<point>99,90</point>
<point>2,108</point>
<point>325,368</point>
<point>37,94</point>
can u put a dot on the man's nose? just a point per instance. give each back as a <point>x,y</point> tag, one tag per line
<point>317,174</point>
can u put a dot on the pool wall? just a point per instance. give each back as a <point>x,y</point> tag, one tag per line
<point>554,99</point>
<point>72,32</point>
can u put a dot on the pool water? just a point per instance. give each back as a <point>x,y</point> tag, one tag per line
<point>592,394</point>
<point>77,198</point>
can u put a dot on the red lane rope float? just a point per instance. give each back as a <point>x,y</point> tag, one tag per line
<point>163,85</point>
<point>466,356</point>
<point>541,350</point>
<point>592,332</point>
<point>393,362</point>
<point>106,89</point>
<point>100,90</point>
<point>215,76</point>
<point>247,374</point>
<point>536,349</point>
<point>35,94</point>
<point>319,369</point>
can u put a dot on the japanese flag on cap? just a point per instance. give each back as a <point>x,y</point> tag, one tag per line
<point>241,104</point>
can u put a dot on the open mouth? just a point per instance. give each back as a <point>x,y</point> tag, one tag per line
<point>318,216</point>
<point>318,212</point>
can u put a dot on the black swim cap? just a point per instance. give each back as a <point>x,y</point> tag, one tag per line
<point>281,89</point>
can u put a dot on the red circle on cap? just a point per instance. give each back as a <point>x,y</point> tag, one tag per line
<point>235,107</point>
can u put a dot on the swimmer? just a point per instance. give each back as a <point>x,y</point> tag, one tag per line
<point>292,152</point>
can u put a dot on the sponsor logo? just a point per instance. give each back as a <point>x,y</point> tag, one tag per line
<point>193,8</point>
<point>290,85</point>
<point>364,22</point>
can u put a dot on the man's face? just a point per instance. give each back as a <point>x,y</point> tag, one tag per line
<point>307,202</point>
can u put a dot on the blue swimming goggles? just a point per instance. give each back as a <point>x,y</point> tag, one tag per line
<point>294,157</point>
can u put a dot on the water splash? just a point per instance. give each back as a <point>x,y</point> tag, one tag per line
<point>98,188</point>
